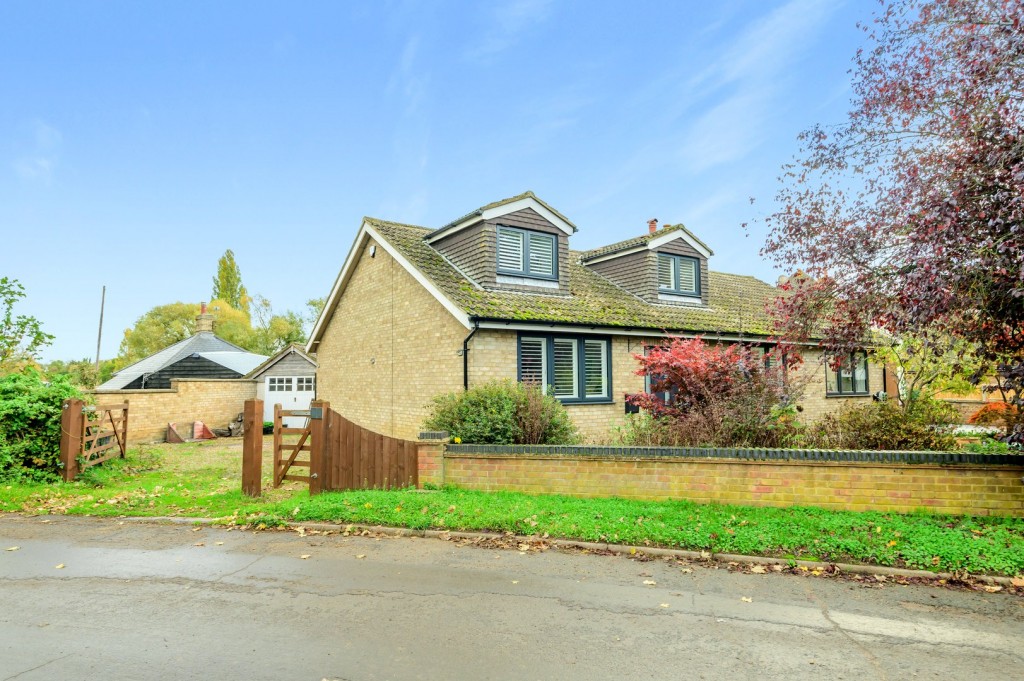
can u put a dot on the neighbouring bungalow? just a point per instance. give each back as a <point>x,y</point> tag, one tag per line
<point>498,293</point>
<point>202,355</point>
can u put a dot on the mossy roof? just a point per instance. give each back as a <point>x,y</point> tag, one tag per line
<point>642,241</point>
<point>737,302</point>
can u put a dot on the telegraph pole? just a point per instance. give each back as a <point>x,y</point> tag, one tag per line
<point>99,336</point>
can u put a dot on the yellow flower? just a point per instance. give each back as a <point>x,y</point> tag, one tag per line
<point>457,440</point>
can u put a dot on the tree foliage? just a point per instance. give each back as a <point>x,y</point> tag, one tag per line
<point>227,285</point>
<point>717,395</point>
<point>21,336</point>
<point>30,422</point>
<point>909,217</point>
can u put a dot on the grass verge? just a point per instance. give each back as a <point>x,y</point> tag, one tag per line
<point>202,480</point>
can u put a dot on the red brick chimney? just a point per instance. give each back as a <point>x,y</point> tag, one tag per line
<point>204,322</point>
<point>652,225</point>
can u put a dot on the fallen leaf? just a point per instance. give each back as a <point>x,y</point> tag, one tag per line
<point>650,582</point>
<point>220,543</point>
<point>992,588</point>
<point>13,548</point>
<point>880,578</point>
<point>304,556</point>
<point>301,531</point>
<point>747,600</point>
<point>776,568</point>
<point>60,566</point>
<point>199,543</point>
<point>361,555</point>
<point>891,543</point>
<point>664,605</point>
<point>196,529</point>
<point>758,569</point>
<point>1015,581</point>
<point>515,581</point>
<point>686,571</point>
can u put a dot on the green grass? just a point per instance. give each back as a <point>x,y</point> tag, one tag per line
<point>202,480</point>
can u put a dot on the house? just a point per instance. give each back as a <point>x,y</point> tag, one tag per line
<point>202,356</point>
<point>289,379</point>
<point>497,293</point>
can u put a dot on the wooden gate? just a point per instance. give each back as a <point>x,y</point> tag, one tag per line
<point>342,455</point>
<point>286,453</point>
<point>91,435</point>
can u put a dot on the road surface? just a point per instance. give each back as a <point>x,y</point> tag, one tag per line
<point>147,601</point>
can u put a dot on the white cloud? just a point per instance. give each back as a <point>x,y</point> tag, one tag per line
<point>508,22</point>
<point>41,157</point>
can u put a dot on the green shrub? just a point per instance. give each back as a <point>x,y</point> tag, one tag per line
<point>989,445</point>
<point>924,425</point>
<point>502,413</point>
<point>30,415</point>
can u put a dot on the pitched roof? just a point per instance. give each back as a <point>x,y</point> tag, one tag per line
<point>642,241</point>
<point>502,202</point>
<point>203,343</point>
<point>737,302</point>
<point>287,350</point>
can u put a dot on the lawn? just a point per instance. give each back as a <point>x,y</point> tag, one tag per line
<point>203,480</point>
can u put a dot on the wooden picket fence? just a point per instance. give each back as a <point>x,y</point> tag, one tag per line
<point>341,454</point>
<point>90,435</point>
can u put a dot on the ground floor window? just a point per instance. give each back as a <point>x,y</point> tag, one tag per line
<point>576,368</point>
<point>847,374</point>
<point>279,384</point>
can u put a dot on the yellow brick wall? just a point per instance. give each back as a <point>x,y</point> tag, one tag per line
<point>388,349</point>
<point>215,402</point>
<point>811,374</point>
<point>976,490</point>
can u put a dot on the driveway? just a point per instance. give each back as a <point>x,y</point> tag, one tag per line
<point>137,601</point>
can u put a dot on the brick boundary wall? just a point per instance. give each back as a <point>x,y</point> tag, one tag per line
<point>215,402</point>
<point>974,489</point>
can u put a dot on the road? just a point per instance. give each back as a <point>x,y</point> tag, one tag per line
<point>141,601</point>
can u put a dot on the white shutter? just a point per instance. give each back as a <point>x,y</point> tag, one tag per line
<point>687,275</point>
<point>665,277</point>
<point>542,254</point>
<point>565,368</point>
<point>510,250</point>
<point>532,364</point>
<point>595,361</point>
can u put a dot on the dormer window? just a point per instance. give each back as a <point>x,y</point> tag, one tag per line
<point>678,274</point>
<point>526,253</point>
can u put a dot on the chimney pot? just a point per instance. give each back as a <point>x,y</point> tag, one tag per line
<point>204,322</point>
<point>652,225</point>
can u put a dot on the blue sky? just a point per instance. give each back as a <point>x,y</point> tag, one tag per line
<point>138,141</point>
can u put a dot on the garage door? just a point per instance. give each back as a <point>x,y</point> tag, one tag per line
<point>291,392</point>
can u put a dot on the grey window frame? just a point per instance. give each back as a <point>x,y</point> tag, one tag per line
<point>674,290</point>
<point>527,241</point>
<point>852,357</point>
<point>580,368</point>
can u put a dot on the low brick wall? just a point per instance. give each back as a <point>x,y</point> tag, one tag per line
<point>955,488</point>
<point>215,402</point>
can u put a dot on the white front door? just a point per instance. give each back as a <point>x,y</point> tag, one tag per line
<point>291,392</point>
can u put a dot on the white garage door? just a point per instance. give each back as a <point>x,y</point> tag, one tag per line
<point>291,392</point>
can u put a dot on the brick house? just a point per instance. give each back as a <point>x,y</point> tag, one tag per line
<point>498,293</point>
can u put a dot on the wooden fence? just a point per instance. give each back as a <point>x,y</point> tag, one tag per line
<point>342,455</point>
<point>90,435</point>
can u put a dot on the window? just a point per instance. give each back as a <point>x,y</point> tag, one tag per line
<point>678,274</point>
<point>577,369</point>
<point>304,384</point>
<point>848,375</point>
<point>279,384</point>
<point>528,254</point>
<point>667,396</point>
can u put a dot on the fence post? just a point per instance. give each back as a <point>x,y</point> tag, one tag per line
<point>252,448</point>
<point>70,437</point>
<point>317,447</point>
<point>124,430</point>
<point>278,425</point>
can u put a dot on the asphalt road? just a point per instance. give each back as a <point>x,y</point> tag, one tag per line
<point>145,601</point>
